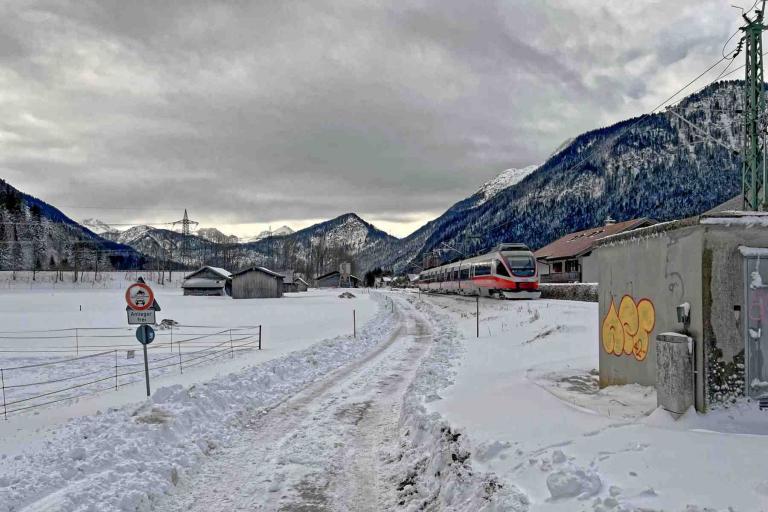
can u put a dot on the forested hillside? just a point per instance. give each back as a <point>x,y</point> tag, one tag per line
<point>36,236</point>
<point>654,166</point>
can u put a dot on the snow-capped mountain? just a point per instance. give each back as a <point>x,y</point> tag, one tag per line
<point>97,226</point>
<point>504,180</point>
<point>321,247</point>
<point>281,231</point>
<point>216,236</point>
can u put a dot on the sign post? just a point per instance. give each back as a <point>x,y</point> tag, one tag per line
<point>141,310</point>
<point>146,335</point>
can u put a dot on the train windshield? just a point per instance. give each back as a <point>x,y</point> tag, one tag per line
<point>521,264</point>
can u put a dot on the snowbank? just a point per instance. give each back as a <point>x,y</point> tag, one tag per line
<point>586,292</point>
<point>122,459</point>
<point>434,469</point>
<point>85,280</point>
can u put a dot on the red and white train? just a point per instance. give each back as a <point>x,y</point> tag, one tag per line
<point>508,271</point>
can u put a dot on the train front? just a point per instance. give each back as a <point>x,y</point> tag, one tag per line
<point>523,282</point>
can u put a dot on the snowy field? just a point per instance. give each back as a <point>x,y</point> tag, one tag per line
<point>84,332</point>
<point>525,393</point>
<point>416,413</point>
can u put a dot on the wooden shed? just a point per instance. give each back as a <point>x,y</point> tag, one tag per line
<point>333,280</point>
<point>257,283</point>
<point>292,282</point>
<point>208,281</point>
<point>301,284</point>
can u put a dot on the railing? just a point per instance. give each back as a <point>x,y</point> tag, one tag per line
<point>32,383</point>
<point>561,277</point>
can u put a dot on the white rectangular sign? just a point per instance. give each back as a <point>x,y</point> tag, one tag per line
<point>141,317</point>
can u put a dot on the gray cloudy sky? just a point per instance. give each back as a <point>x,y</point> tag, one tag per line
<point>274,112</point>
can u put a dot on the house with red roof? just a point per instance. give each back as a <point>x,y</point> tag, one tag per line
<point>569,259</point>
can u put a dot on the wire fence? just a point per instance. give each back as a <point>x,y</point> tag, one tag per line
<point>31,379</point>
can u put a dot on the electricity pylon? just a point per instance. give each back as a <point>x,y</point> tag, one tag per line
<point>185,223</point>
<point>755,195</point>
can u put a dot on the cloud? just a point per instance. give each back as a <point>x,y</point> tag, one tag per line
<point>250,112</point>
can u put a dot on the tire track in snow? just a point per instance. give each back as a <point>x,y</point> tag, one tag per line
<point>320,449</point>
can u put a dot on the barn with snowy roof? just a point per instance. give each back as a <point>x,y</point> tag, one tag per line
<point>208,281</point>
<point>257,283</point>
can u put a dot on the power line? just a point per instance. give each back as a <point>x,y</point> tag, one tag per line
<point>663,103</point>
<point>94,207</point>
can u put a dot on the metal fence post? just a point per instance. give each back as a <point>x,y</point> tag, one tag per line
<point>354,323</point>
<point>231,346</point>
<point>477,314</point>
<point>181,367</point>
<point>171,338</point>
<point>259,336</point>
<point>115,368</point>
<point>5,408</point>
<point>77,342</point>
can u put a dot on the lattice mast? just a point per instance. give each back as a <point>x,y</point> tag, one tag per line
<point>185,232</point>
<point>755,194</point>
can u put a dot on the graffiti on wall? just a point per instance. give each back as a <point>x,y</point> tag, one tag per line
<point>627,330</point>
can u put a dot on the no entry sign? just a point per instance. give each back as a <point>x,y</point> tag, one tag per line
<point>139,297</point>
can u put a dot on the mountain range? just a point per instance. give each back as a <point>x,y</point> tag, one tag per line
<point>650,166</point>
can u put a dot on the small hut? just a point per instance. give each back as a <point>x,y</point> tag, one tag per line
<point>292,282</point>
<point>257,283</point>
<point>208,281</point>
<point>301,285</point>
<point>334,280</point>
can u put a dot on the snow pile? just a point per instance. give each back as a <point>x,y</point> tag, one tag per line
<point>122,459</point>
<point>573,483</point>
<point>586,292</point>
<point>434,467</point>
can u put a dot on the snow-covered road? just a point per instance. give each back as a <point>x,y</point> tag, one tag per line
<point>322,448</point>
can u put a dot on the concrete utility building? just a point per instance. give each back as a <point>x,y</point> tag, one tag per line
<point>707,267</point>
<point>208,281</point>
<point>334,280</point>
<point>569,259</point>
<point>257,283</point>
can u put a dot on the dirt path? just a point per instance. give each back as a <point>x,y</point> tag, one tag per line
<point>322,449</point>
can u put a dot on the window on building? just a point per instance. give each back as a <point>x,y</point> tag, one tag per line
<point>572,266</point>
<point>557,267</point>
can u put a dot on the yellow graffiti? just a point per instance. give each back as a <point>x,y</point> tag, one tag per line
<point>628,329</point>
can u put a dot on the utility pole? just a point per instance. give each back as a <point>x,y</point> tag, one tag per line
<point>755,195</point>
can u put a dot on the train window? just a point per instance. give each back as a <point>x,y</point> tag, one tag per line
<point>483,269</point>
<point>464,273</point>
<point>522,265</point>
<point>501,270</point>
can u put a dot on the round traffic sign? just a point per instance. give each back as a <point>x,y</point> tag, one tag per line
<point>139,296</point>
<point>145,334</point>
